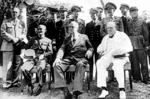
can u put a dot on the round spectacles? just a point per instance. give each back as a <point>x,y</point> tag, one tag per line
<point>71,27</point>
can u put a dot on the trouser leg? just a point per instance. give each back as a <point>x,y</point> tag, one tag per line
<point>118,67</point>
<point>17,68</point>
<point>7,67</point>
<point>79,75</point>
<point>144,65</point>
<point>59,78</point>
<point>135,66</point>
<point>102,64</point>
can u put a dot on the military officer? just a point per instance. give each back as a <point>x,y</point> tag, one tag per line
<point>138,34</point>
<point>92,30</point>
<point>59,27</point>
<point>43,51</point>
<point>125,17</point>
<point>12,32</point>
<point>32,28</point>
<point>110,9</point>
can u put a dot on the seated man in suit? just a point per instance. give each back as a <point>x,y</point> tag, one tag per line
<point>42,46</point>
<point>113,49</point>
<point>75,50</point>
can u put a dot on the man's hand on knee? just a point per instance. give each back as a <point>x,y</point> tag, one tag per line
<point>57,62</point>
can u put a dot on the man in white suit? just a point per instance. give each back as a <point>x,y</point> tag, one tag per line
<point>113,49</point>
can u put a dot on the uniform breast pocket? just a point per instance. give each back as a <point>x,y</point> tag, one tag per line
<point>9,29</point>
<point>44,45</point>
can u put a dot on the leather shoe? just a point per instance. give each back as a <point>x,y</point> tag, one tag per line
<point>76,94</point>
<point>67,94</point>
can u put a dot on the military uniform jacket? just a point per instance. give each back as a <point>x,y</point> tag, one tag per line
<point>92,30</point>
<point>138,33</point>
<point>117,20</point>
<point>125,21</point>
<point>60,31</point>
<point>78,49</point>
<point>9,31</point>
<point>41,46</point>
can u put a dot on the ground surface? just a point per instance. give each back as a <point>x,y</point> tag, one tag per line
<point>140,91</point>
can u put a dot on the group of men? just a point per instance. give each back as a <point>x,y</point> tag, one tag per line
<point>107,40</point>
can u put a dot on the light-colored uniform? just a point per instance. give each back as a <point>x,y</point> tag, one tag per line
<point>10,30</point>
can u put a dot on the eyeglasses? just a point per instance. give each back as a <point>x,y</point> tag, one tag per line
<point>15,12</point>
<point>109,28</point>
<point>71,27</point>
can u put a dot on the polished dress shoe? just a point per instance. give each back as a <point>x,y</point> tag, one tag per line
<point>76,94</point>
<point>67,94</point>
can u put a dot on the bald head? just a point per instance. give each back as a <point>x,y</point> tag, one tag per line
<point>111,28</point>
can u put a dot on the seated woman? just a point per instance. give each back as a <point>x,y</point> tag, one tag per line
<point>42,46</point>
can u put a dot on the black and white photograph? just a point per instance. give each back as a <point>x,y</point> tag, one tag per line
<point>74,49</point>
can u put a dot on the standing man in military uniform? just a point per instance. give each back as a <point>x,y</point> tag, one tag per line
<point>92,30</point>
<point>125,18</point>
<point>32,28</point>
<point>110,9</point>
<point>59,27</point>
<point>13,31</point>
<point>138,34</point>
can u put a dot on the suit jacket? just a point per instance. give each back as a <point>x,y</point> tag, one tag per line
<point>125,21</point>
<point>31,30</point>
<point>60,33</point>
<point>51,29</point>
<point>138,33</point>
<point>117,20</point>
<point>10,31</point>
<point>148,27</point>
<point>76,50</point>
<point>92,30</point>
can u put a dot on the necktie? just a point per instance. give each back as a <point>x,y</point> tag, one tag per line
<point>73,40</point>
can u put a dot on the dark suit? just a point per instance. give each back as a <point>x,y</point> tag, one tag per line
<point>73,54</point>
<point>138,34</point>
<point>148,27</point>
<point>60,33</point>
<point>93,32</point>
<point>125,20</point>
<point>51,29</point>
<point>31,30</point>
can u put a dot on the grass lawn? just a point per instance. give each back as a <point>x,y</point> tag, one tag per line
<point>140,91</point>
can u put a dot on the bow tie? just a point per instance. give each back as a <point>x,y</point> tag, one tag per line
<point>111,36</point>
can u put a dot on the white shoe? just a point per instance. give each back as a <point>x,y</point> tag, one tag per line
<point>103,94</point>
<point>122,95</point>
